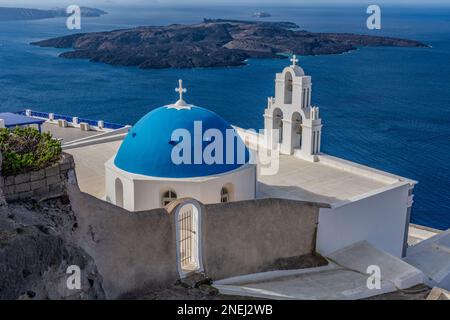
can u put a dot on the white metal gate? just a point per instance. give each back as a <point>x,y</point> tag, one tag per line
<point>188,232</point>
<point>187,239</point>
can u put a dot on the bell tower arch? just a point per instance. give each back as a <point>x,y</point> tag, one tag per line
<point>292,125</point>
<point>288,88</point>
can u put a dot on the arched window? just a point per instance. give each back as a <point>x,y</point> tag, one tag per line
<point>224,195</point>
<point>296,130</point>
<point>167,197</point>
<point>304,98</point>
<point>288,88</point>
<point>119,192</point>
<point>278,124</point>
<point>227,193</point>
<point>308,97</point>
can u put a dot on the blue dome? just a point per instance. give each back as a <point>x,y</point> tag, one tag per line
<point>147,149</point>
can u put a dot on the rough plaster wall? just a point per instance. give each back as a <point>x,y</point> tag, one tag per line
<point>244,237</point>
<point>137,250</point>
<point>133,251</point>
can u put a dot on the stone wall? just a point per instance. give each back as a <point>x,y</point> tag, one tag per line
<point>45,183</point>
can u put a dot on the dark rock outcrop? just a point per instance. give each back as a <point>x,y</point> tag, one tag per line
<point>36,250</point>
<point>213,43</point>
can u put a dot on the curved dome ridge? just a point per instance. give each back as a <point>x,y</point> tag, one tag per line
<point>147,148</point>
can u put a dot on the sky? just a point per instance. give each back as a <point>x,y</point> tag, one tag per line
<point>99,3</point>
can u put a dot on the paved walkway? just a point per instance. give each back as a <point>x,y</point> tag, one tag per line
<point>298,179</point>
<point>67,134</point>
<point>417,233</point>
<point>90,166</point>
<point>432,256</point>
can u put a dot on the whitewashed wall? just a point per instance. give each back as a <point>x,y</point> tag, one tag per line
<point>144,193</point>
<point>110,188</point>
<point>379,218</point>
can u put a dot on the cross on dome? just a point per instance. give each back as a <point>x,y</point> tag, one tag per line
<point>180,89</point>
<point>180,104</point>
<point>294,60</point>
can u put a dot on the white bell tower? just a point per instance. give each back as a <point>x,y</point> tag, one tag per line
<point>292,125</point>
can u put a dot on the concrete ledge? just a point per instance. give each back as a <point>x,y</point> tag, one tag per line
<point>101,136</point>
<point>97,140</point>
<point>432,256</point>
<point>359,256</point>
<point>438,294</point>
<point>262,276</point>
<point>369,194</point>
<point>267,294</point>
<point>322,283</point>
<point>362,170</point>
<point>418,233</point>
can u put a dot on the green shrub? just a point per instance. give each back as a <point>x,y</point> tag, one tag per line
<point>26,149</point>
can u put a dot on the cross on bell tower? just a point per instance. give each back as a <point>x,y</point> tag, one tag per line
<point>294,60</point>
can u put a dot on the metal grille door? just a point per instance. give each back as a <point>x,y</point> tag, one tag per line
<point>187,238</point>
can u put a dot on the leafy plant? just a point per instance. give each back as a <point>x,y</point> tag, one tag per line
<point>26,149</point>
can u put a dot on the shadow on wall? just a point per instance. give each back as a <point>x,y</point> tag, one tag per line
<point>144,250</point>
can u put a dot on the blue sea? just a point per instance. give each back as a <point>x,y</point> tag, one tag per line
<point>388,108</point>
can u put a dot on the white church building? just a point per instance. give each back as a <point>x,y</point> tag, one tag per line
<point>148,172</point>
<point>149,169</point>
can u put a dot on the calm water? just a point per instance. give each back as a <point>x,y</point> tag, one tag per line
<point>384,107</point>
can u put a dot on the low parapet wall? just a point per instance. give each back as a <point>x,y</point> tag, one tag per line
<point>44,183</point>
<point>248,236</point>
<point>73,121</point>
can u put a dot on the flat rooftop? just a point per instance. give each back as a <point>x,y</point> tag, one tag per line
<point>89,160</point>
<point>12,120</point>
<point>298,179</point>
<point>89,165</point>
<point>417,233</point>
<point>66,134</point>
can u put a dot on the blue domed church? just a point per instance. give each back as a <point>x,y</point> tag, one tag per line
<point>185,151</point>
<point>178,151</point>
